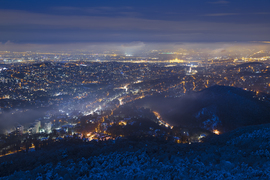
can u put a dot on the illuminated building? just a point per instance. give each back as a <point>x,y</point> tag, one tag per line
<point>19,130</point>
<point>48,127</point>
<point>34,129</point>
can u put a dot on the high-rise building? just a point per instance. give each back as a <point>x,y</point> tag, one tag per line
<point>19,130</point>
<point>36,127</point>
<point>48,127</point>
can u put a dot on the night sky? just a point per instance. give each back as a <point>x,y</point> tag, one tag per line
<point>124,21</point>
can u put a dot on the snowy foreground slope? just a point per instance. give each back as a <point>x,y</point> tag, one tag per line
<point>239,154</point>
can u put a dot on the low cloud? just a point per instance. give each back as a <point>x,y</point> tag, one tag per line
<point>222,2</point>
<point>222,14</point>
<point>9,120</point>
<point>134,47</point>
<point>21,26</point>
<point>136,44</point>
<point>131,48</point>
<point>103,10</point>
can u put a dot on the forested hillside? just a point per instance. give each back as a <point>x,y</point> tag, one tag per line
<point>239,154</point>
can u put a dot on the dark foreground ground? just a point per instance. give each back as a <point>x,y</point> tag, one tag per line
<point>239,154</point>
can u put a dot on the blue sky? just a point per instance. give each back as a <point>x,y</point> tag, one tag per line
<point>122,21</point>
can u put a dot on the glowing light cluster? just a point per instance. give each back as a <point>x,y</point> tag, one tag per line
<point>161,121</point>
<point>216,132</point>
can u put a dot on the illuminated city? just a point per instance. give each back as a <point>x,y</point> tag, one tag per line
<point>134,90</point>
<point>73,86</point>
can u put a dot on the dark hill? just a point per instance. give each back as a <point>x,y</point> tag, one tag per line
<point>218,107</point>
<point>228,108</point>
<point>246,65</point>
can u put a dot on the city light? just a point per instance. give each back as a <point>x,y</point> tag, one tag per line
<point>134,89</point>
<point>216,132</point>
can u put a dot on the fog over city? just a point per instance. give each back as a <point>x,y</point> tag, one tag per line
<point>139,47</point>
<point>134,89</point>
